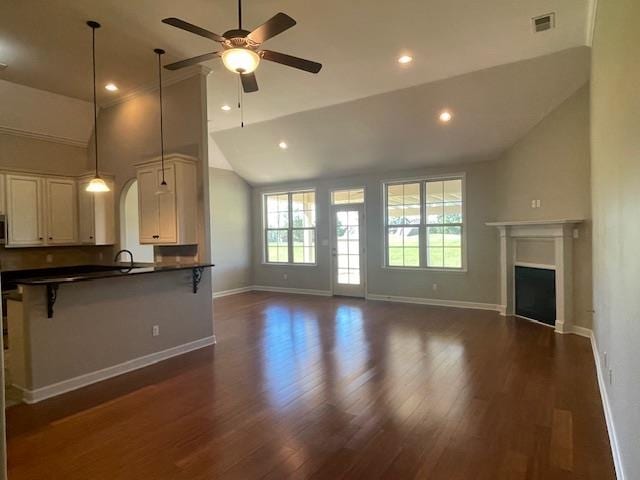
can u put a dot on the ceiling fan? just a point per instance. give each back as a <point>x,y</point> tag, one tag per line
<point>241,52</point>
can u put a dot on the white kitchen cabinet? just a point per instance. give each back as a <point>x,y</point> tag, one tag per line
<point>61,210</point>
<point>25,213</point>
<point>96,214</point>
<point>168,218</point>
<point>2,194</point>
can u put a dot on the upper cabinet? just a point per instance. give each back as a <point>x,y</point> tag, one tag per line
<point>96,220</point>
<point>3,207</point>
<point>61,204</point>
<point>52,210</point>
<point>25,216</point>
<point>169,217</point>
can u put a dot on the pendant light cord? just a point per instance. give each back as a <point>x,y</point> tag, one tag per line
<point>95,103</point>
<point>160,52</point>
<point>240,102</point>
<point>239,14</point>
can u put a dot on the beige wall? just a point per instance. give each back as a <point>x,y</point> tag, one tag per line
<point>108,322</point>
<point>552,164</point>
<point>615,170</point>
<point>478,284</point>
<point>129,133</point>
<point>231,230</point>
<point>41,156</point>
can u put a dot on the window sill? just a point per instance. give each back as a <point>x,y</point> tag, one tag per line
<point>274,264</point>
<point>426,269</point>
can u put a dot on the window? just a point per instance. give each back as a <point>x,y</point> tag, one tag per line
<point>424,224</point>
<point>342,197</point>
<point>290,227</point>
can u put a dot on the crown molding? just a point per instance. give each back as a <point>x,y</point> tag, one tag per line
<point>16,132</point>
<point>153,86</point>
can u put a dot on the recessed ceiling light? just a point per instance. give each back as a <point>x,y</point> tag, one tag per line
<point>111,87</point>
<point>226,108</point>
<point>404,59</point>
<point>283,145</point>
<point>445,116</point>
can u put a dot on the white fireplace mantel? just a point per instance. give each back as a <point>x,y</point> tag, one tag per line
<point>560,232</point>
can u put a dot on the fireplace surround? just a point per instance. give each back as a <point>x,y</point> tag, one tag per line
<point>542,244</point>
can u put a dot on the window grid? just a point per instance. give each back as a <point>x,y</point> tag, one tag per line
<point>345,197</point>
<point>348,243</point>
<point>427,232</point>
<point>290,227</point>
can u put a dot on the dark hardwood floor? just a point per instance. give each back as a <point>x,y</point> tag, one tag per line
<point>302,387</point>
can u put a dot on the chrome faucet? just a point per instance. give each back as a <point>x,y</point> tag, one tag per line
<point>115,259</point>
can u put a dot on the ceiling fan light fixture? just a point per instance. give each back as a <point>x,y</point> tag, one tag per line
<point>240,60</point>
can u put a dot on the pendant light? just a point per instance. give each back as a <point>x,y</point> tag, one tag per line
<point>97,184</point>
<point>163,187</point>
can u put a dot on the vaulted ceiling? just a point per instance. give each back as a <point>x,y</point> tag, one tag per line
<point>491,109</point>
<point>47,46</point>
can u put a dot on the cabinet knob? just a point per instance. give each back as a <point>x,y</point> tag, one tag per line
<point>91,237</point>
<point>50,238</point>
<point>40,238</point>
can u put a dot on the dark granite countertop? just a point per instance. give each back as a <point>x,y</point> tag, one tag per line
<point>83,273</point>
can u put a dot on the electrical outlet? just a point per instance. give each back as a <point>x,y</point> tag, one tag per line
<point>285,276</point>
<point>434,287</point>
<point>533,204</point>
<point>537,203</point>
<point>576,233</point>
<point>155,331</point>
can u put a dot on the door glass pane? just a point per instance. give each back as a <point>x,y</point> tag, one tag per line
<point>348,247</point>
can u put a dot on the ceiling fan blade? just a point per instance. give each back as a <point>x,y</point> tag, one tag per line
<point>249,82</point>
<point>290,61</point>
<point>272,27</point>
<point>176,22</point>
<point>191,61</point>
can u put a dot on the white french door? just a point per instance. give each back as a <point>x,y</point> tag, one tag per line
<point>348,250</point>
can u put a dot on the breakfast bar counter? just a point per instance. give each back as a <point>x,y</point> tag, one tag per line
<point>73,326</point>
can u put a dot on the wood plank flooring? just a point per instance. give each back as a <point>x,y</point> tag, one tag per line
<point>302,387</point>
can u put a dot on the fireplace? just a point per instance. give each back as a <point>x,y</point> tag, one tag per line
<point>536,270</point>
<point>536,294</point>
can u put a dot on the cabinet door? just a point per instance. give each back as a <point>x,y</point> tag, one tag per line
<point>86,218</point>
<point>24,210</point>
<point>2,196</point>
<point>61,211</point>
<point>104,217</point>
<point>167,206</point>
<point>148,205</point>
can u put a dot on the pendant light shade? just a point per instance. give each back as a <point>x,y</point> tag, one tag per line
<point>97,184</point>
<point>163,187</point>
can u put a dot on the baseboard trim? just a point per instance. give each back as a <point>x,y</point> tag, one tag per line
<point>299,291</point>
<point>581,331</point>
<point>606,406</point>
<point>434,302</point>
<point>232,291</point>
<point>42,393</point>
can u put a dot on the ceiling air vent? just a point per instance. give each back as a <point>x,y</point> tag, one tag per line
<point>544,22</point>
